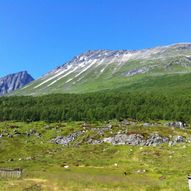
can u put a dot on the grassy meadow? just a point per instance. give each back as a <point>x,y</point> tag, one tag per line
<point>80,166</point>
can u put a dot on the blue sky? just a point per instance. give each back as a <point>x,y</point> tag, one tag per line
<point>39,35</point>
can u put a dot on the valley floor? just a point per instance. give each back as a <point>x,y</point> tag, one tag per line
<point>92,167</point>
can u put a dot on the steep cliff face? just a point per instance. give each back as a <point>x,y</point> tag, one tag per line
<point>13,82</point>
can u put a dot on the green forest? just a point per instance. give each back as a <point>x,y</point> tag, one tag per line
<point>96,106</point>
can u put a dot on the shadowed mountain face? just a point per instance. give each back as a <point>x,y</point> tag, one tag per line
<point>106,69</point>
<point>13,82</point>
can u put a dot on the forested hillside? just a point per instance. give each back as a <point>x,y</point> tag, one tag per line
<point>97,106</point>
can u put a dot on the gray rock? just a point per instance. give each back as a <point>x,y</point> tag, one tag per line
<point>155,139</point>
<point>67,139</point>
<point>124,139</point>
<point>94,142</point>
<point>108,140</point>
<point>136,140</point>
<point>179,139</point>
<point>177,124</point>
<point>176,140</point>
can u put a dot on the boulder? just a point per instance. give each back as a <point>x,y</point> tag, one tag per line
<point>94,142</point>
<point>155,139</point>
<point>135,139</point>
<point>177,139</point>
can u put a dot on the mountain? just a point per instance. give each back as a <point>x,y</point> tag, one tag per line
<point>108,69</point>
<point>13,82</point>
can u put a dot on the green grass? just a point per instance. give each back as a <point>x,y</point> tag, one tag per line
<point>91,167</point>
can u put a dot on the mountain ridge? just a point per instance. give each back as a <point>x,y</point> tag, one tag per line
<point>107,69</point>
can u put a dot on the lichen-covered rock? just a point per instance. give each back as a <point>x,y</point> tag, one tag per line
<point>136,140</point>
<point>155,139</point>
<point>124,139</point>
<point>94,142</point>
<point>67,139</point>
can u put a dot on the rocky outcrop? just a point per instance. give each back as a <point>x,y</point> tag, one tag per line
<point>155,139</point>
<point>13,82</point>
<point>123,139</point>
<point>67,139</point>
<point>138,140</point>
<point>177,124</point>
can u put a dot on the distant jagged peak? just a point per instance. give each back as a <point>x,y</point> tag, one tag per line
<point>14,81</point>
<point>15,74</point>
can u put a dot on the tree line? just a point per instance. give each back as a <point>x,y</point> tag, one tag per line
<point>95,106</point>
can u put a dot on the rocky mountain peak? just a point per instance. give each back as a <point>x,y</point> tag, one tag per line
<point>14,81</point>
